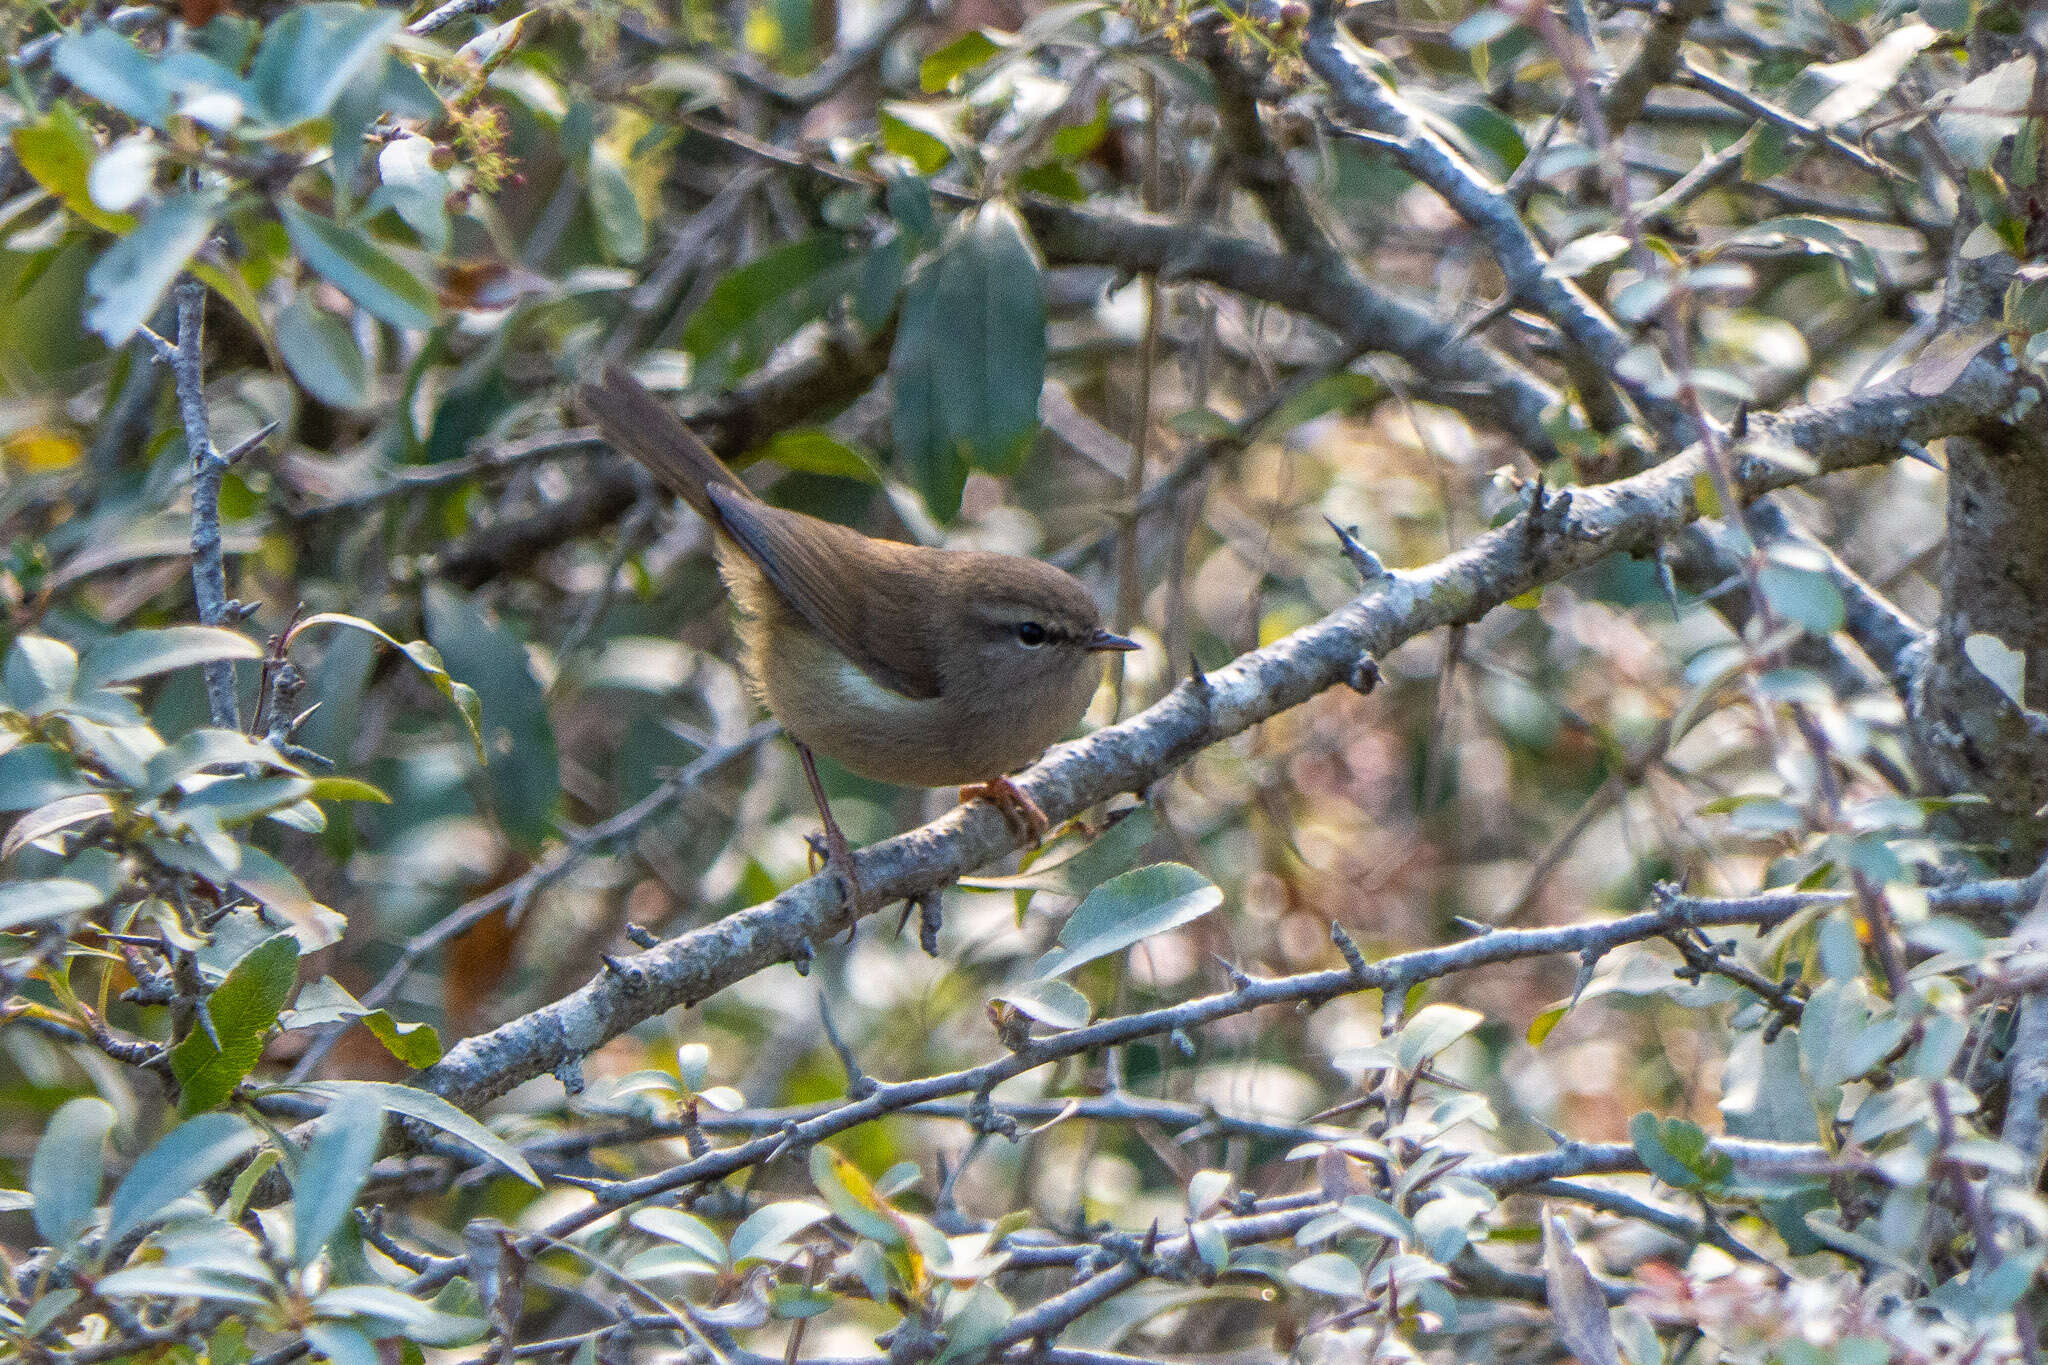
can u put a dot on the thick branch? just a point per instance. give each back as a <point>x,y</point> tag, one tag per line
<point>209,565</point>
<point>1464,374</point>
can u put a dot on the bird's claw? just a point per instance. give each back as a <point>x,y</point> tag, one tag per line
<point>1018,810</point>
<point>831,851</point>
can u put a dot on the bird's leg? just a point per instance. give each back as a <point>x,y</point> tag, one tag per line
<point>838,857</point>
<point>1017,808</point>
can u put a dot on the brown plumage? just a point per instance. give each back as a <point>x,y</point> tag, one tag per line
<point>908,664</point>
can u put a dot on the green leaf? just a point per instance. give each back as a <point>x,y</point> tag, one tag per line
<point>752,309</point>
<point>69,1163</point>
<point>409,185</point>
<point>955,60</point>
<point>522,768</point>
<point>969,356</point>
<point>359,268</point>
<point>1806,596</point>
<point>1819,236</point>
<point>346,789</point>
<point>1677,1152</point>
<point>1053,180</point>
<point>689,1232</point>
<point>129,279</point>
<point>853,1199</point>
<point>766,1232</point>
<point>183,1159</point>
<point>1329,1273</point>
<point>38,902</point>
<point>1434,1028</point>
<point>322,354</point>
<point>392,1312</point>
<point>436,1112</point>
<point>330,1174</point>
<point>917,426</point>
<point>812,450</point>
<point>620,226</point>
<point>144,653</point>
<point>59,149</point>
<point>1053,1003</point>
<point>1987,111</point>
<point>2005,666</point>
<point>343,1344</point>
<point>989,380</point>
<point>1077,140</point>
<point>281,892</point>
<point>115,72</point>
<point>1123,910</point>
<point>241,1009</point>
<point>1832,93</point>
<point>206,748</point>
<point>914,134</point>
<point>50,818</point>
<point>34,775</point>
<point>417,1045</point>
<point>39,673</point>
<point>423,657</point>
<point>327,1001</point>
<point>311,53</point>
<point>158,1280</point>
<point>978,1320</point>
<point>1379,1217</point>
<point>1595,249</point>
<point>799,1301</point>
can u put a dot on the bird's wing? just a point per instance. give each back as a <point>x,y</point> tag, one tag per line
<point>841,591</point>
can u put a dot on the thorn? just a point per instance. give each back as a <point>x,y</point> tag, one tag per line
<point>640,936</point>
<point>1352,957</point>
<point>615,965</point>
<point>570,1074</point>
<point>248,443</point>
<point>1915,451</point>
<point>1238,980</point>
<point>1370,570</point>
<point>1589,963</point>
<point>1472,926</point>
<point>801,955</point>
<point>790,1138</point>
<point>241,611</point>
<point>1667,579</point>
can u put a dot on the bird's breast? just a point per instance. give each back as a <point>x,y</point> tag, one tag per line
<point>827,702</point>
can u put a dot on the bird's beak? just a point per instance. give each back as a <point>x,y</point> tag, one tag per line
<point>1102,640</point>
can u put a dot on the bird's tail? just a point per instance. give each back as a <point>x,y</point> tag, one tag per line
<point>644,427</point>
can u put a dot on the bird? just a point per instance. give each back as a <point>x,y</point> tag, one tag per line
<point>909,664</point>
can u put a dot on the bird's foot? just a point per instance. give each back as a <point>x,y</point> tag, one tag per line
<point>829,851</point>
<point>1022,814</point>
<point>837,857</point>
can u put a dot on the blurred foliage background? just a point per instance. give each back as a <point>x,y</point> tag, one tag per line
<point>1113,286</point>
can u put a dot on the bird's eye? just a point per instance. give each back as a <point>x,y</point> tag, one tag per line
<point>1032,634</point>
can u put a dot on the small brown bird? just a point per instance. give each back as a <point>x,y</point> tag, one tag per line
<point>907,664</point>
